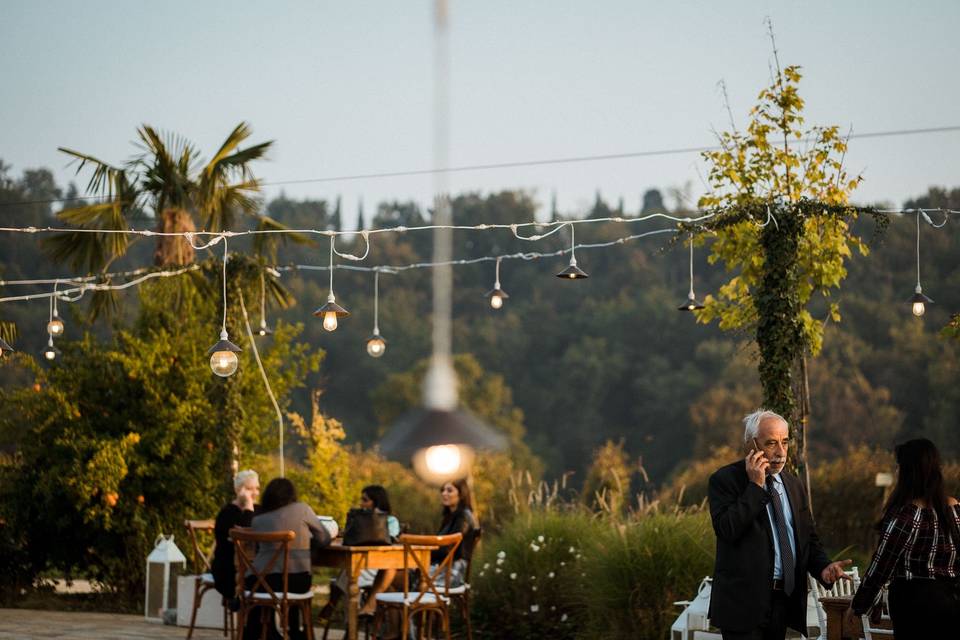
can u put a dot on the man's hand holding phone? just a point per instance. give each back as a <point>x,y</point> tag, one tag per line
<point>757,465</point>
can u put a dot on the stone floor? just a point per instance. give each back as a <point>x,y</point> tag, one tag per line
<point>27,624</point>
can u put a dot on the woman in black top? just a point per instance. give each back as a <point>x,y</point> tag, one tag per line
<point>457,518</point>
<point>238,513</point>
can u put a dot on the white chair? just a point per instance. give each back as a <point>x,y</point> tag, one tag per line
<point>871,632</point>
<point>840,589</point>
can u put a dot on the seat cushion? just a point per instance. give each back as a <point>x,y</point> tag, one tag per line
<point>207,578</point>
<point>267,597</point>
<point>396,597</point>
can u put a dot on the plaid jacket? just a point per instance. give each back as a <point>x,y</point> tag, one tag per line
<point>912,545</point>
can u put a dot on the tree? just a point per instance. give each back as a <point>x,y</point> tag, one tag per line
<point>781,196</point>
<point>167,183</point>
<point>121,440</point>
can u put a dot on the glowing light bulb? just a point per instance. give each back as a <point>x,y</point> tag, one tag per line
<point>376,346</point>
<point>330,320</point>
<point>49,354</point>
<point>224,363</point>
<point>496,302</point>
<point>55,327</point>
<point>919,309</point>
<point>443,459</point>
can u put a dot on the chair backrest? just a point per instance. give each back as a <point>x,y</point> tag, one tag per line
<point>428,580</point>
<point>474,543</point>
<point>840,588</point>
<point>246,542</point>
<point>195,529</point>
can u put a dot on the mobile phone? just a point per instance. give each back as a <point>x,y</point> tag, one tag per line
<point>757,447</point>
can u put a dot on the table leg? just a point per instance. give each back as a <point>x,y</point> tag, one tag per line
<point>353,600</point>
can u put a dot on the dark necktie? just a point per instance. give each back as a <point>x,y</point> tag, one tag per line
<point>780,530</point>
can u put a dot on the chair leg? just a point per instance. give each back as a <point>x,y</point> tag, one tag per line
<point>196,605</point>
<point>308,619</point>
<point>446,622</point>
<point>465,609</point>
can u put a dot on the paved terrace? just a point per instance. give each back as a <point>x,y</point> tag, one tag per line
<point>27,624</point>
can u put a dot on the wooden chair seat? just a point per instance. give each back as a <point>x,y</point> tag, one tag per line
<point>203,579</point>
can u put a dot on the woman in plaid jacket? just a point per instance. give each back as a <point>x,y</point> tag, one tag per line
<point>919,550</point>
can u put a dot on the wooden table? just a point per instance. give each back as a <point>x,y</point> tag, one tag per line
<point>837,628</point>
<point>353,560</point>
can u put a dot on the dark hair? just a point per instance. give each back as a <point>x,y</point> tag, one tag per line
<point>279,493</point>
<point>919,477</point>
<point>465,500</point>
<point>378,496</point>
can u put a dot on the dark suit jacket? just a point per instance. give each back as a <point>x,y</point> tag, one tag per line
<point>743,575</point>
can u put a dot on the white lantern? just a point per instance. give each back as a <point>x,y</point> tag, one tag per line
<point>164,564</point>
<point>694,616</point>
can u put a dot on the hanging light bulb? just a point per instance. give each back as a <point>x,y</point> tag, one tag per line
<point>223,355</point>
<point>691,303</point>
<point>55,324</point>
<point>331,311</point>
<point>497,295</point>
<point>573,272</point>
<point>50,353</point>
<point>919,301</point>
<point>376,345</point>
<point>263,330</point>
<point>5,348</point>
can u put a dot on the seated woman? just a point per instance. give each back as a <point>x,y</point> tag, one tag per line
<point>376,498</point>
<point>239,513</point>
<point>280,511</point>
<point>457,518</point>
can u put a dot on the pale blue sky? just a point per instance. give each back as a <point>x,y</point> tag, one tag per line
<point>344,88</point>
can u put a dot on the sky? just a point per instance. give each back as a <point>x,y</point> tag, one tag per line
<point>346,88</point>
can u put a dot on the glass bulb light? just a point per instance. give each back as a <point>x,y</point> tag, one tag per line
<point>919,309</point>
<point>443,463</point>
<point>55,327</point>
<point>376,346</point>
<point>330,321</point>
<point>496,302</point>
<point>51,352</point>
<point>224,363</point>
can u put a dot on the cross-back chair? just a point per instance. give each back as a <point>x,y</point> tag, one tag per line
<point>430,599</point>
<point>203,576</point>
<point>256,590</point>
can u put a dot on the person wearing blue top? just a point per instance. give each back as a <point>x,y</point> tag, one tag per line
<point>373,497</point>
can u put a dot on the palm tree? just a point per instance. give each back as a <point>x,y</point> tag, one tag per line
<point>165,182</point>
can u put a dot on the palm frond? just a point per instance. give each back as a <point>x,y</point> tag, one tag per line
<point>167,166</point>
<point>104,304</point>
<point>266,244</point>
<point>8,331</point>
<point>224,202</point>
<point>105,176</point>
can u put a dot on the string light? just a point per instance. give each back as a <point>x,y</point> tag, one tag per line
<point>55,325</point>
<point>376,345</point>
<point>50,352</point>
<point>691,303</point>
<point>223,355</point>
<point>497,295</point>
<point>331,311</point>
<point>918,300</point>
<point>263,330</point>
<point>573,272</point>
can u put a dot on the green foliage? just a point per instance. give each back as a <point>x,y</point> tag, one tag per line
<point>607,484</point>
<point>121,440</point>
<point>798,249</point>
<point>567,574</point>
<point>526,579</point>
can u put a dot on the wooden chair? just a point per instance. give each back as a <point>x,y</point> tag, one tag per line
<point>839,589</point>
<point>203,576</point>
<point>461,594</point>
<point>429,600</point>
<point>260,593</point>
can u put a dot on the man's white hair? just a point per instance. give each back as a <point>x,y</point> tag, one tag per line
<point>751,422</point>
<point>243,477</point>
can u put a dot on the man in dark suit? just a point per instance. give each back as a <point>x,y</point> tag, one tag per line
<point>766,541</point>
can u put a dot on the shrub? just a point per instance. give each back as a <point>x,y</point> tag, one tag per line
<point>565,573</point>
<point>637,570</point>
<point>527,580</point>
